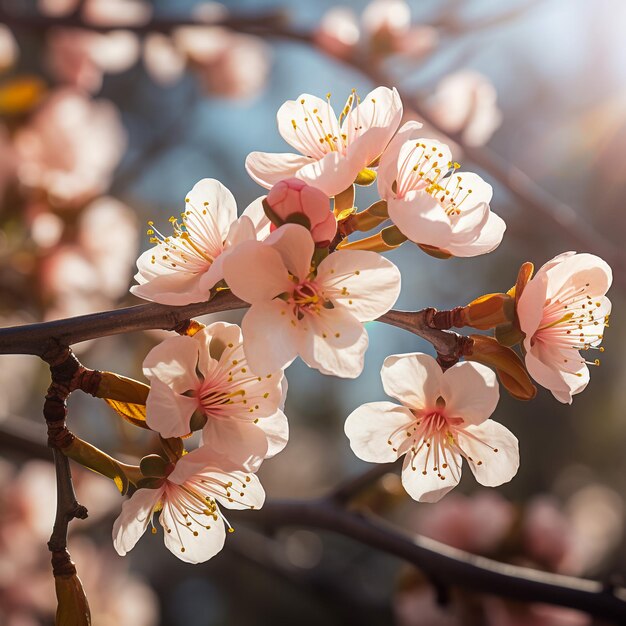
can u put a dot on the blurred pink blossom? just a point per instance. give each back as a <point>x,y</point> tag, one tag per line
<point>57,8</point>
<point>228,64</point>
<point>465,102</point>
<point>338,32</point>
<point>80,58</point>
<point>70,147</point>
<point>117,12</point>
<point>8,48</point>
<point>93,272</point>
<point>164,62</point>
<point>476,524</point>
<point>386,18</point>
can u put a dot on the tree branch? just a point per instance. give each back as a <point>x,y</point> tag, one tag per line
<point>39,338</point>
<point>448,566</point>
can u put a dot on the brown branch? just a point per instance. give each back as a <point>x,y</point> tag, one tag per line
<point>448,566</point>
<point>39,338</point>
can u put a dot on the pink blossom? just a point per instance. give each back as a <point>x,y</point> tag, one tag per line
<point>338,32</point>
<point>431,202</point>
<point>333,151</point>
<point>476,524</point>
<point>316,314</point>
<point>117,12</point>
<point>208,376</point>
<point>228,64</point>
<point>8,48</point>
<point>182,268</point>
<point>563,310</point>
<point>444,417</point>
<point>386,18</point>
<point>465,103</point>
<point>70,147</point>
<point>188,506</point>
<point>163,60</point>
<point>80,58</point>
<point>293,199</point>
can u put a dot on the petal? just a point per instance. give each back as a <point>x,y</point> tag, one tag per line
<point>134,519</point>
<point>216,342</point>
<point>370,427</point>
<point>242,443</point>
<point>333,342</point>
<point>531,304</point>
<point>269,338</point>
<point>246,492</point>
<point>413,379</point>
<point>370,125</point>
<point>276,429</point>
<point>178,288</point>
<point>423,483</point>
<point>254,211</point>
<point>240,230</point>
<point>333,173</point>
<point>576,271</point>
<point>173,362</point>
<point>546,366</point>
<point>471,391</point>
<point>295,246</point>
<point>480,442</point>
<point>420,218</point>
<point>388,168</point>
<point>197,542</point>
<point>486,239</point>
<point>168,412</point>
<point>366,283</point>
<point>256,272</point>
<point>209,199</point>
<point>305,122</point>
<point>267,168</point>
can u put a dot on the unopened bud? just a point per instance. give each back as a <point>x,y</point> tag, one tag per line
<point>509,367</point>
<point>489,311</point>
<point>72,605</point>
<point>292,201</point>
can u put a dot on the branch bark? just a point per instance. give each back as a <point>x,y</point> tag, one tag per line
<point>37,339</point>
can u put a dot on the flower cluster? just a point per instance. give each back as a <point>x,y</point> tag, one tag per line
<point>311,287</point>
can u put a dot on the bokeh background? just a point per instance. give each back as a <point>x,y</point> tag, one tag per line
<point>101,132</point>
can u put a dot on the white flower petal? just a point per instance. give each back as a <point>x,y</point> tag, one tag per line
<point>422,482</point>
<point>471,391</point>
<point>219,203</point>
<point>333,342</point>
<point>168,412</point>
<point>267,168</point>
<point>197,542</point>
<point>364,282</point>
<point>269,337</point>
<point>295,246</point>
<point>173,361</point>
<point>413,379</point>
<point>256,272</point>
<point>480,442</point>
<point>134,519</point>
<point>370,427</point>
<point>276,429</point>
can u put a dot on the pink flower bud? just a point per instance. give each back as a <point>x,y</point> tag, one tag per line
<point>292,199</point>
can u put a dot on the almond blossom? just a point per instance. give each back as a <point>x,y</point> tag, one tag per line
<point>318,314</point>
<point>206,379</point>
<point>183,267</point>
<point>444,417</point>
<point>562,311</point>
<point>187,502</point>
<point>333,150</point>
<point>431,202</point>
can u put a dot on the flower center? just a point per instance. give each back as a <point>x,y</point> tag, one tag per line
<point>194,243</point>
<point>306,299</point>
<point>436,434</point>
<point>575,321</point>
